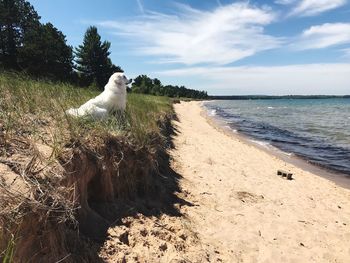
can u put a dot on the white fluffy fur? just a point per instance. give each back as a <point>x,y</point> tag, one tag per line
<point>112,99</point>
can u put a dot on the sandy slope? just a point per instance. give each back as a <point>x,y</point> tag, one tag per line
<point>244,212</point>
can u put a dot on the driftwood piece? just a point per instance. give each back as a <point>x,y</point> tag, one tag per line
<point>287,175</point>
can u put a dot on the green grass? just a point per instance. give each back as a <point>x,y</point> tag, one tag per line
<point>36,109</point>
<point>7,255</point>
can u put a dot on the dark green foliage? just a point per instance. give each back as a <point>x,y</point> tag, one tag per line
<point>41,51</point>
<point>144,84</point>
<point>93,62</point>
<point>17,19</point>
<point>27,45</point>
<point>45,53</point>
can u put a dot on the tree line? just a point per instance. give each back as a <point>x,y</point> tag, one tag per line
<point>144,84</point>
<point>41,50</point>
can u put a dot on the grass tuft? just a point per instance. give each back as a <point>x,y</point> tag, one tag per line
<point>37,109</point>
<point>32,116</point>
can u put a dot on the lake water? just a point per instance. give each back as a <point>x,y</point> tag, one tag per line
<point>317,130</point>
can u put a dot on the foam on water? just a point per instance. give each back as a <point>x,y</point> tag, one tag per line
<point>212,112</point>
<point>315,129</point>
<point>230,128</point>
<point>261,143</point>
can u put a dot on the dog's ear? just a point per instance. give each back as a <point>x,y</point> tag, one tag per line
<point>118,78</point>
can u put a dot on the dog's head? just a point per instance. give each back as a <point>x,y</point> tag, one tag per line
<point>119,79</point>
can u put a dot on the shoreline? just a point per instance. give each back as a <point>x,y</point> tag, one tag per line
<point>242,211</point>
<point>340,179</point>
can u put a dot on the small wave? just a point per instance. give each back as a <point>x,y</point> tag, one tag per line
<point>261,143</point>
<point>283,152</point>
<point>304,137</point>
<point>230,128</point>
<point>212,113</point>
<point>288,154</point>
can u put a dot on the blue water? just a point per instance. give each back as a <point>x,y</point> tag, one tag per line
<point>317,130</point>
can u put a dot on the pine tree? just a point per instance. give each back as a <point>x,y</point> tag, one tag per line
<point>146,85</point>
<point>17,18</point>
<point>27,45</point>
<point>92,59</point>
<point>45,53</point>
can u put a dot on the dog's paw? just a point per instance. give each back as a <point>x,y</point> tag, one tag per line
<point>72,112</point>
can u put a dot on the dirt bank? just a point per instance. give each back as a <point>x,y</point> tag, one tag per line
<point>210,198</point>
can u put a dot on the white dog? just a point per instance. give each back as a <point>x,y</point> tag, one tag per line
<point>112,99</point>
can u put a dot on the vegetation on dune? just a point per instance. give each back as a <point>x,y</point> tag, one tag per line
<point>87,165</point>
<point>145,85</point>
<point>41,50</point>
<point>24,102</point>
<point>65,179</point>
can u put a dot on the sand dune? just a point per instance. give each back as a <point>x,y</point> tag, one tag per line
<point>243,211</point>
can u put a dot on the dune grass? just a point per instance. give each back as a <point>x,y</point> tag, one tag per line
<point>7,255</point>
<point>36,109</point>
<point>33,111</point>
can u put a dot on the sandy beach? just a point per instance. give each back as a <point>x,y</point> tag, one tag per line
<point>236,208</point>
<point>243,211</point>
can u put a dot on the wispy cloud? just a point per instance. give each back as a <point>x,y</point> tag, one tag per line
<point>222,36</point>
<point>314,7</point>
<point>323,36</point>
<point>285,2</point>
<point>140,5</point>
<point>205,42</point>
<point>306,79</point>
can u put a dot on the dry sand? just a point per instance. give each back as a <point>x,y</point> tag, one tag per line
<point>242,211</point>
<point>248,213</point>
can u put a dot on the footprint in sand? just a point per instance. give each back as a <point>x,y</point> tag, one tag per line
<point>247,197</point>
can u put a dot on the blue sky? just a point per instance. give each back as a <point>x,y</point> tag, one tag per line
<point>225,47</point>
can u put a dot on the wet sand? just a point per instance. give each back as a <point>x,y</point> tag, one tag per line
<point>337,177</point>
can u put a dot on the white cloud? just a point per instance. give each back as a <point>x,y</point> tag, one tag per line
<point>322,36</point>
<point>315,7</point>
<point>140,5</point>
<point>285,2</point>
<point>224,35</point>
<point>308,79</point>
